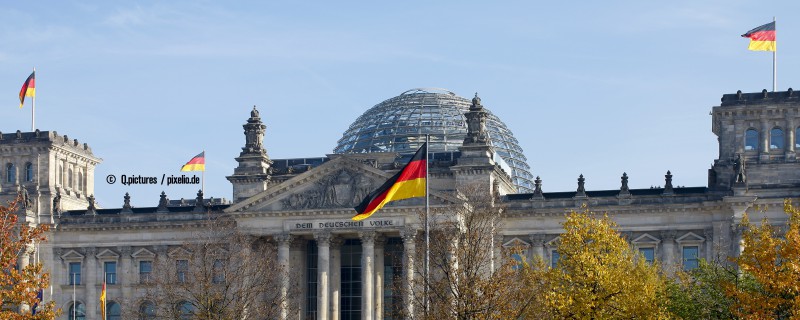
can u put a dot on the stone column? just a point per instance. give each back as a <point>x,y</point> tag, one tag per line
<point>790,138</point>
<point>284,241</point>
<point>23,261</point>
<point>738,239</point>
<point>708,233</point>
<point>91,298</point>
<point>125,275</point>
<point>336,275</point>
<point>380,242</point>
<point>497,252</point>
<point>668,247</point>
<point>409,252</point>
<point>537,246</point>
<point>764,150</point>
<point>323,270</point>
<point>367,274</point>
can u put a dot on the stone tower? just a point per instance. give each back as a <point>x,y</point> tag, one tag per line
<point>42,167</point>
<point>252,175</point>
<point>757,142</point>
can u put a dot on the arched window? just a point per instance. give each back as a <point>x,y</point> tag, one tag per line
<point>76,312</point>
<point>147,311</point>
<point>776,138</point>
<point>11,173</point>
<point>113,311</point>
<point>60,174</point>
<point>796,141</point>
<point>80,181</point>
<point>69,178</point>
<point>751,140</point>
<point>28,172</point>
<point>186,310</point>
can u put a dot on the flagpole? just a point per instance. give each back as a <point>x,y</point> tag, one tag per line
<point>775,60</point>
<point>427,225</point>
<point>33,105</point>
<point>203,176</point>
<point>74,307</point>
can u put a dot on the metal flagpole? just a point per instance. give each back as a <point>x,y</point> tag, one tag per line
<point>33,103</point>
<point>203,176</point>
<point>427,225</point>
<point>775,60</point>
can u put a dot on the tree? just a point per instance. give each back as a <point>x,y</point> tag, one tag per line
<point>221,274</point>
<point>700,293</point>
<point>599,275</point>
<point>20,286</point>
<point>773,263</point>
<point>461,283</point>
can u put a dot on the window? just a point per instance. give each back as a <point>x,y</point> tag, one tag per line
<point>181,270</point>
<point>69,178</point>
<point>751,140</point>
<point>80,181</point>
<point>113,311</point>
<point>145,269</point>
<point>776,138</point>
<point>649,254</point>
<point>518,263</point>
<point>796,141</point>
<point>185,309</point>
<point>110,270</point>
<point>690,257</point>
<point>11,173</point>
<point>60,175</point>
<point>147,311</point>
<point>218,271</point>
<point>77,312</point>
<point>554,256</point>
<point>28,172</point>
<point>75,273</point>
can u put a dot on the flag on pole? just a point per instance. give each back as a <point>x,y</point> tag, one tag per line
<point>103,300</point>
<point>28,89</point>
<point>408,183</point>
<point>198,163</point>
<point>762,38</point>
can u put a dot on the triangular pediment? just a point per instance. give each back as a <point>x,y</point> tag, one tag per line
<point>340,183</point>
<point>179,253</point>
<point>516,243</point>
<point>646,239</point>
<point>553,243</point>
<point>690,237</point>
<point>72,255</point>
<point>143,254</point>
<point>107,254</point>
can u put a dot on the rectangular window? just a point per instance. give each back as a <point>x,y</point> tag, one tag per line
<point>181,270</point>
<point>75,273</point>
<point>554,256</point>
<point>145,269</point>
<point>649,254</point>
<point>110,270</point>
<point>218,271</point>
<point>690,257</point>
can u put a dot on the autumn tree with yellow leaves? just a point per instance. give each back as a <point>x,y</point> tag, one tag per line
<point>19,287</point>
<point>599,276</point>
<point>771,259</point>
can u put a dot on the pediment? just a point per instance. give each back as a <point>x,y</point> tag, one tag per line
<point>690,237</point>
<point>553,243</point>
<point>107,254</point>
<point>179,253</point>
<point>516,243</point>
<point>341,183</point>
<point>646,239</point>
<point>72,255</point>
<point>143,254</point>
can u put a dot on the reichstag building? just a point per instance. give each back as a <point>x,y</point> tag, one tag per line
<point>304,205</point>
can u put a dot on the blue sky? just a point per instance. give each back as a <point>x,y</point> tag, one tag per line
<point>597,88</point>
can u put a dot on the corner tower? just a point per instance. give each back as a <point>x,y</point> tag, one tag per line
<point>252,175</point>
<point>757,135</point>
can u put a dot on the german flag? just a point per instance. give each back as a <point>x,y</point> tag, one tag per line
<point>28,89</point>
<point>198,163</point>
<point>762,38</point>
<point>408,183</point>
<point>103,300</point>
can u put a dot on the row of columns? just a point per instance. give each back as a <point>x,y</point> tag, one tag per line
<point>329,278</point>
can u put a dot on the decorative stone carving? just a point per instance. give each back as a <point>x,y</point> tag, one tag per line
<point>581,189</point>
<point>367,236</point>
<point>537,191</point>
<point>668,235</point>
<point>409,234</point>
<point>623,189</point>
<point>283,238</point>
<point>198,202</point>
<point>162,202</point>
<point>323,238</point>
<point>126,205</point>
<point>343,188</point>
<point>537,239</point>
<point>91,209</point>
<point>476,122</point>
<point>254,134</point>
<point>739,168</point>
<point>668,183</point>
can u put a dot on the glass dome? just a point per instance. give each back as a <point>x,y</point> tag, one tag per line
<point>399,125</point>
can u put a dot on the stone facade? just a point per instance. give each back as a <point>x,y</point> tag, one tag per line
<point>305,205</point>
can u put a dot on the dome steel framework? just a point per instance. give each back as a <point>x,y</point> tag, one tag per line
<point>400,124</point>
